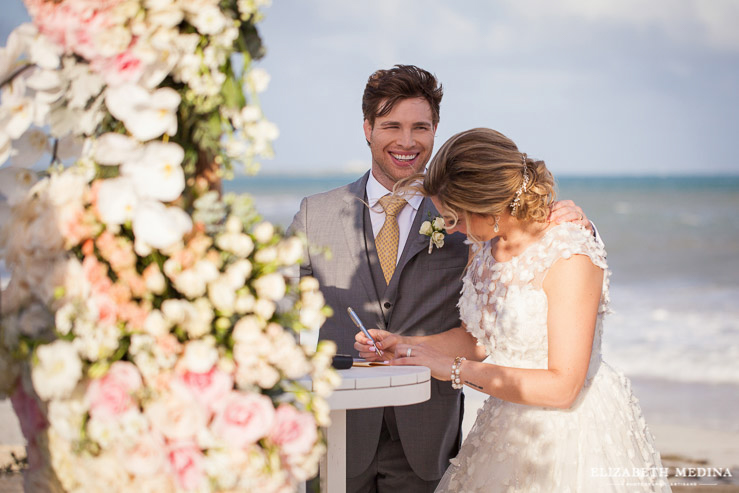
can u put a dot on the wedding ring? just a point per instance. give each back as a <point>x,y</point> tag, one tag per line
<point>408,353</point>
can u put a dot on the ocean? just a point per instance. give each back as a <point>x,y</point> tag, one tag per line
<point>673,248</point>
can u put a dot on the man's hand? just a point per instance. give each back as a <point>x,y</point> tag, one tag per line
<point>565,211</point>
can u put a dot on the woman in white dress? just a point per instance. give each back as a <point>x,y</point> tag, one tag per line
<point>559,419</point>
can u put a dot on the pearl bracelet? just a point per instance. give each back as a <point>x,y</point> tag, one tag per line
<point>456,381</point>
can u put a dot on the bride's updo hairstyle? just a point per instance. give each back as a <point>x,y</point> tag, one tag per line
<point>480,171</point>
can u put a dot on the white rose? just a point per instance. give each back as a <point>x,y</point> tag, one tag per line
<point>237,273</point>
<point>200,355</point>
<point>222,295</point>
<point>208,20</point>
<point>266,255</point>
<point>239,244</point>
<point>155,281</point>
<point>265,308</point>
<point>176,418</point>
<point>58,370</point>
<point>105,432</point>
<point>312,300</point>
<point>439,223</point>
<point>312,319</point>
<point>64,317</point>
<point>190,283</point>
<point>244,303</point>
<point>438,239</point>
<point>200,316</point>
<point>155,323</point>
<point>207,270</point>
<point>272,287</point>
<point>67,417</point>
<point>174,311</point>
<point>267,375</point>
<point>248,329</point>
<point>263,232</point>
<point>289,251</point>
<point>426,228</point>
<point>234,225</point>
<point>308,283</point>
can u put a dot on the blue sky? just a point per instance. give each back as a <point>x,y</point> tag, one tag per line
<point>590,86</point>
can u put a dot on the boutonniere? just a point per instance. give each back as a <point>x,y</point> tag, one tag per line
<point>434,229</point>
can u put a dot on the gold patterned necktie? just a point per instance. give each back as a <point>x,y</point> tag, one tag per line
<point>389,235</point>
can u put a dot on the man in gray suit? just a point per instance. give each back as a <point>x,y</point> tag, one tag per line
<point>405,448</point>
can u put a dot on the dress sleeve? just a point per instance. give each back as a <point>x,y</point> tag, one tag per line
<point>570,239</point>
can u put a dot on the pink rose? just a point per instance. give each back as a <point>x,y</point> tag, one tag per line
<point>294,431</point>
<point>244,418</point>
<point>177,417</point>
<point>119,69</point>
<point>111,394</point>
<point>210,389</point>
<point>146,457</point>
<point>186,461</point>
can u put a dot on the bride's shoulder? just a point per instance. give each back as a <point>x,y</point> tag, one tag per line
<point>567,239</point>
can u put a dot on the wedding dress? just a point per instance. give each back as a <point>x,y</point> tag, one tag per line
<point>601,443</point>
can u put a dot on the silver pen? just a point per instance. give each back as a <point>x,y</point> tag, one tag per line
<point>360,325</point>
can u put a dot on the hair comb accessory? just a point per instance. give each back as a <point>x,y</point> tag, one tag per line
<point>517,200</point>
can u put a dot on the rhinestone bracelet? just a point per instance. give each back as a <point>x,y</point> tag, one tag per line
<point>456,381</point>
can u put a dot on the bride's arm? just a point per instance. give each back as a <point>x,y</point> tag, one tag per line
<point>573,289</point>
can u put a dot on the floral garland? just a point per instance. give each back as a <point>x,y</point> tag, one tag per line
<point>148,331</point>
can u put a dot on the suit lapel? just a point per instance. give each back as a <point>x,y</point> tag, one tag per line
<point>353,223</point>
<point>416,241</point>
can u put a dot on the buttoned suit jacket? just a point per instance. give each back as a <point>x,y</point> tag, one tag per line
<point>420,299</point>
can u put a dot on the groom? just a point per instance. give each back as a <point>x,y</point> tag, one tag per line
<point>391,281</point>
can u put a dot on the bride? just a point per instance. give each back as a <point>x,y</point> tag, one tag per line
<point>534,295</point>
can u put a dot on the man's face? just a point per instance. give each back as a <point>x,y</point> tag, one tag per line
<point>401,141</point>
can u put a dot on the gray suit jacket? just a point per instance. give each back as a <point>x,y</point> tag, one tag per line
<point>420,299</point>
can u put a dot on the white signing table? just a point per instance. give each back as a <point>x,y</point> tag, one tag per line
<point>360,388</point>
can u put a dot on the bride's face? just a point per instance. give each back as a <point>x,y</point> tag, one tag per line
<point>475,225</point>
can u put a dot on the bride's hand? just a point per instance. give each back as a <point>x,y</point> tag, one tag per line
<point>386,342</point>
<point>422,355</point>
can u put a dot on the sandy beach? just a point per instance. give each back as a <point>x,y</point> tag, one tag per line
<point>694,425</point>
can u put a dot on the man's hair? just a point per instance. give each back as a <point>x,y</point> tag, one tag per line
<point>385,88</point>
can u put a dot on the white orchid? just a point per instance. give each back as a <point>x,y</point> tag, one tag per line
<point>31,146</point>
<point>16,109</point>
<point>15,183</point>
<point>158,226</point>
<point>117,200</point>
<point>111,149</point>
<point>49,86</point>
<point>146,115</point>
<point>157,174</point>
<point>6,147</point>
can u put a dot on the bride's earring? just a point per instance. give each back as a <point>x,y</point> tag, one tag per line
<point>496,228</point>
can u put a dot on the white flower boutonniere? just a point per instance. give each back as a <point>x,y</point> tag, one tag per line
<point>434,229</point>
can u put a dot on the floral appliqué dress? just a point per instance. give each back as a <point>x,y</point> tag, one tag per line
<point>600,444</point>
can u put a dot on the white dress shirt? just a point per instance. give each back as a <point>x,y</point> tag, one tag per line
<point>375,191</point>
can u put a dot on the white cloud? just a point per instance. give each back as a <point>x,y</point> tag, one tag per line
<point>710,23</point>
